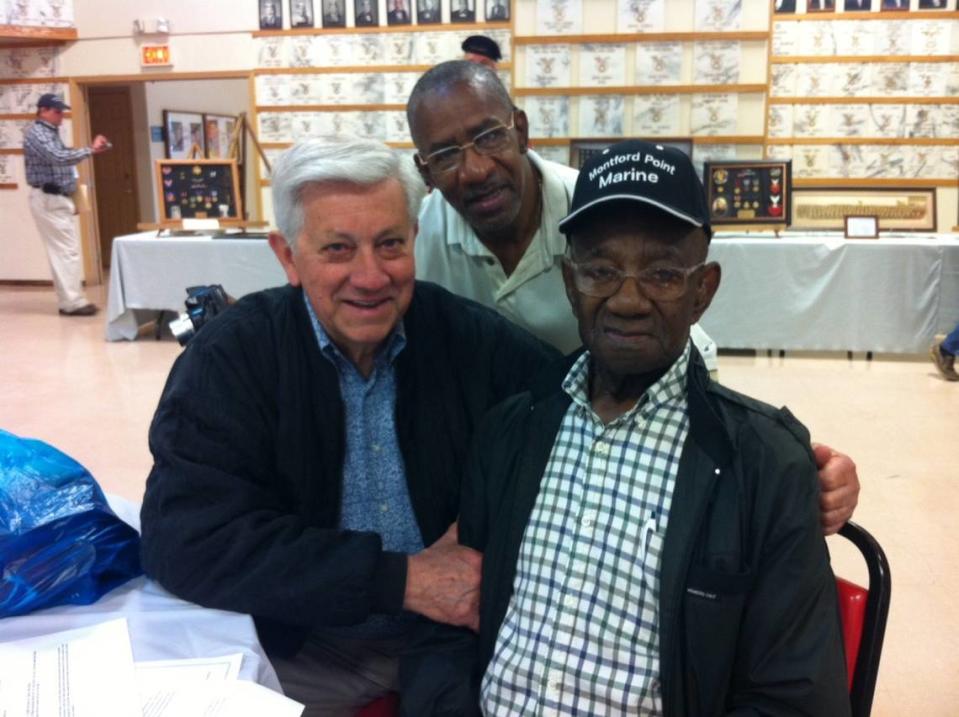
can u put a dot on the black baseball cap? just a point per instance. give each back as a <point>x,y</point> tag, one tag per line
<point>482,45</point>
<point>53,101</point>
<point>656,175</point>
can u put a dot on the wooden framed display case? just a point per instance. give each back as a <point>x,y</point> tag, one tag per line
<point>749,194</point>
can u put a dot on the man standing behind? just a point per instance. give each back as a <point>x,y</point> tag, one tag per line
<point>52,178</point>
<point>491,231</point>
<point>651,539</point>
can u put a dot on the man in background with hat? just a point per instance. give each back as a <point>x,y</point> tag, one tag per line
<point>651,539</point>
<point>490,229</point>
<point>52,176</point>
<point>481,49</point>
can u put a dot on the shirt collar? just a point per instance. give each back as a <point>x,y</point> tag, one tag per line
<point>670,388</point>
<point>48,125</point>
<point>385,355</point>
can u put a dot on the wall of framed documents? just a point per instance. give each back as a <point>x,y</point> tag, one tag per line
<point>853,98</point>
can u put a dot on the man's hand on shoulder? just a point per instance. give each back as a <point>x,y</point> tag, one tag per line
<point>838,487</point>
<point>443,582</point>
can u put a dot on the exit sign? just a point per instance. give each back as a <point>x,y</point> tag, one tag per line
<point>155,55</point>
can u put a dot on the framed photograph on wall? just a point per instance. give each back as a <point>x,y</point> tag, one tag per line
<point>301,13</point>
<point>462,11</point>
<point>821,6</point>
<point>398,12</point>
<point>428,12</point>
<point>334,13</point>
<point>366,13</point>
<point>934,5</point>
<point>217,131</point>
<point>271,15</point>
<point>183,134</point>
<point>498,10</point>
<point>784,7</point>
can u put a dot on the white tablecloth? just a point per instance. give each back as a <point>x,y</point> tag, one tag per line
<point>798,292</point>
<point>152,273</point>
<point>162,627</point>
<point>828,293</point>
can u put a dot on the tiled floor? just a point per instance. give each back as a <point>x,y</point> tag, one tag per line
<point>61,382</point>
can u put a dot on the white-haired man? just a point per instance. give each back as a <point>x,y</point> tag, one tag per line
<point>309,444</point>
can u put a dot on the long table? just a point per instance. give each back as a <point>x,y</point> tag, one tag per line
<point>150,274</point>
<point>798,292</point>
<point>823,292</point>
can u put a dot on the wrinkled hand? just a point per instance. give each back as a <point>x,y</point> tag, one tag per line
<point>443,582</point>
<point>838,487</point>
<point>100,144</point>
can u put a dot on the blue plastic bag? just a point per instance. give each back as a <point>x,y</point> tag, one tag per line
<point>59,540</point>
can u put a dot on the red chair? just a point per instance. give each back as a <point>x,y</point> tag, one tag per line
<point>863,614</point>
<point>386,706</point>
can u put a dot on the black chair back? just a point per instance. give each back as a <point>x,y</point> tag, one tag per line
<point>874,623</point>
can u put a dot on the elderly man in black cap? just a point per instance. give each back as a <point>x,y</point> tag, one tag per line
<point>651,539</point>
<point>51,174</point>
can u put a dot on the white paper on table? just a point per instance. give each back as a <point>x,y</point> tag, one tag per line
<point>659,63</point>
<point>641,15</point>
<point>82,673</point>
<point>237,698</point>
<point>559,17</point>
<point>224,667</point>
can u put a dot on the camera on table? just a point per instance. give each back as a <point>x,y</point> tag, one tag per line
<point>203,303</point>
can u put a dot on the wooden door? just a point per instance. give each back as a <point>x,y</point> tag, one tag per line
<point>114,172</point>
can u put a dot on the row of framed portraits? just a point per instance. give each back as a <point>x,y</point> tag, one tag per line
<point>368,13</point>
<point>188,135</point>
<point>396,48</point>
<point>788,7</point>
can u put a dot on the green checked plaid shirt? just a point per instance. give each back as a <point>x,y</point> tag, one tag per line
<point>581,634</point>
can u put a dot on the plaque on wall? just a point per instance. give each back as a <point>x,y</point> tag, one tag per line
<point>748,193</point>
<point>897,209</point>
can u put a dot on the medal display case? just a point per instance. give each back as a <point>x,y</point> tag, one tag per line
<point>749,194</point>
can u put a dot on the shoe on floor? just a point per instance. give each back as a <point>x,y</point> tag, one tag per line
<point>85,310</point>
<point>946,363</point>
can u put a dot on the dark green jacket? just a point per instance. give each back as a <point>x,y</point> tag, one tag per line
<point>748,613</point>
<point>242,505</point>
